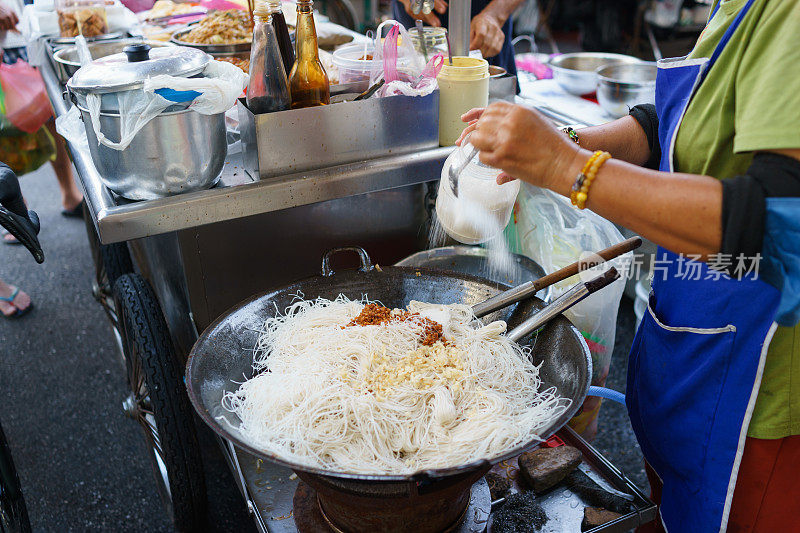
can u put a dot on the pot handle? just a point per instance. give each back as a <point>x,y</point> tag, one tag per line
<point>366,262</point>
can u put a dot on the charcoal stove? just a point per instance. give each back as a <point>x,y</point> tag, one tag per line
<point>280,502</point>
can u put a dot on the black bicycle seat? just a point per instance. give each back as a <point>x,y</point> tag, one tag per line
<point>15,216</point>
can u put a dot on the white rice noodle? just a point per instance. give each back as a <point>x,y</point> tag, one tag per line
<point>366,399</point>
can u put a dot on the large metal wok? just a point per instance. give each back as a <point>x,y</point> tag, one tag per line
<point>222,357</point>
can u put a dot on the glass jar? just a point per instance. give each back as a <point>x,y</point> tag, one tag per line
<point>435,40</point>
<point>482,208</point>
<point>81,17</point>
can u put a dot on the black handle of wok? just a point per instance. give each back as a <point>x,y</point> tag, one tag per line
<point>14,215</point>
<point>363,256</point>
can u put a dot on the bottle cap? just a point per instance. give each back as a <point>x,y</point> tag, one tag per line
<point>262,9</point>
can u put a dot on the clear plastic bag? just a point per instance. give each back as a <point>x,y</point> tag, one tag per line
<point>400,65</point>
<point>549,230</point>
<point>214,93</point>
<point>26,103</point>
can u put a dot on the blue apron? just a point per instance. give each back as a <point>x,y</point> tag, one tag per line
<point>697,359</point>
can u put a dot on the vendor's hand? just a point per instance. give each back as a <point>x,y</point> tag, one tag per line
<point>439,6</point>
<point>486,34</point>
<point>521,142</point>
<point>8,19</point>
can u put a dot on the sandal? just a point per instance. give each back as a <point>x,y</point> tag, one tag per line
<point>10,299</point>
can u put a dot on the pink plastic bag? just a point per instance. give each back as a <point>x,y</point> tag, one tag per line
<point>26,101</point>
<point>407,81</point>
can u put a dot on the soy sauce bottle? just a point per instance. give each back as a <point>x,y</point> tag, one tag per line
<point>308,81</point>
<point>268,89</point>
<point>282,34</point>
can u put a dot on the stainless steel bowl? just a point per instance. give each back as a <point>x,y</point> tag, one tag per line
<point>210,48</point>
<point>575,73</point>
<point>620,87</point>
<point>66,59</point>
<point>174,153</point>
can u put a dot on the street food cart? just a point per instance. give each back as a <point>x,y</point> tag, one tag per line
<point>167,268</point>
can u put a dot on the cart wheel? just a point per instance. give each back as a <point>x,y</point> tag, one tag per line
<point>158,401</point>
<point>110,262</point>
<point>13,513</point>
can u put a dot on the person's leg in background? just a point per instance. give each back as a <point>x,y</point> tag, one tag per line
<point>71,195</point>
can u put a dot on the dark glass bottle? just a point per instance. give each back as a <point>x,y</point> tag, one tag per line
<point>268,89</point>
<point>308,81</point>
<point>282,33</point>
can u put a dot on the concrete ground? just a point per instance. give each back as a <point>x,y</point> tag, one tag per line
<point>81,462</point>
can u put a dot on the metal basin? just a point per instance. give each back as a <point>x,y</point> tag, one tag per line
<point>575,73</point>
<point>66,59</point>
<point>175,152</point>
<point>620,87</point>
<point>425,501</point>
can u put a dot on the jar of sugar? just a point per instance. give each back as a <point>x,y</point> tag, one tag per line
<point>482,208</point>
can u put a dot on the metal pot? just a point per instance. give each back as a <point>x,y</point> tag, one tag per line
<point>620,87</point>
<point>575,72</point>
<point>177,151</point>
<point>66,59</point>
<point>426,501</point>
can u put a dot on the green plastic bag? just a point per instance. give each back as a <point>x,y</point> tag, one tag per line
<point>24,152</point>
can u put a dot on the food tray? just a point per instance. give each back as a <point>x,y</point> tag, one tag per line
<point>300,140</point>
<point>209,48</point>
<point>269,489</point>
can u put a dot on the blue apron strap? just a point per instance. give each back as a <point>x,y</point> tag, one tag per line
<point>728,34</point>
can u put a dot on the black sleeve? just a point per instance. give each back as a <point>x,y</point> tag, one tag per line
<point>645,115</point>
<point>744,201</point>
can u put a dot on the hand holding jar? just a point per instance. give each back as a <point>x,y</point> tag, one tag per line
<point>521,142</point>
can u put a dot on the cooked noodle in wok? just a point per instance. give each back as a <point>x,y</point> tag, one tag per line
<point>352,386</point>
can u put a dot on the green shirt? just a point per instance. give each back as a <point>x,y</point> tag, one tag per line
<point>750,101</point>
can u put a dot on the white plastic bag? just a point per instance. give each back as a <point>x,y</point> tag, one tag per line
<point>549,230</point>
<point>218,90</point>
<point>71,127</point>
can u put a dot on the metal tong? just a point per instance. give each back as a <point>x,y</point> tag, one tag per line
<point>530,288</point>
<point>562,303</point>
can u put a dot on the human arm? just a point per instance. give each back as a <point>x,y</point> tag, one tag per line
<point>486,28</point>
<point>431,19</point>
<point>681,212</point>
<point>8,19</point>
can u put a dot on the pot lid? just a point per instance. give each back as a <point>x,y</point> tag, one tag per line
<point>138,62</point>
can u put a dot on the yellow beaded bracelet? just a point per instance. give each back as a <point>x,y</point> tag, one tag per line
<point>580,189</point>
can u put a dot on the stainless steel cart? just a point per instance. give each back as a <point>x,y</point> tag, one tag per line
<point>166,268</point>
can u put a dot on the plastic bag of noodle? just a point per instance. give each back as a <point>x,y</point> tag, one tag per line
<point>549,230</point>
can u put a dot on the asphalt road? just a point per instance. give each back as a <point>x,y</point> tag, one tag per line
<point>81,462</point>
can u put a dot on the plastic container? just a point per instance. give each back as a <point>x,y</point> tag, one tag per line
<point>81,17</point>
<point>462,86</point>
<point>482,208</point>
<point>354,62</point>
